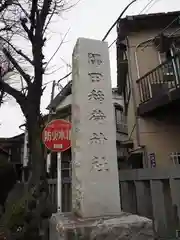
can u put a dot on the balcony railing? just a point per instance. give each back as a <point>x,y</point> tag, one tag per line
<point>161,80</point>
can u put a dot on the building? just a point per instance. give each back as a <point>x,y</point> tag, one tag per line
<point>61,106</point>
<point>11,150</point>
<point>148,77</point>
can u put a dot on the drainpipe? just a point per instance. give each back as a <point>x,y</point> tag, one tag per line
<point>133,92</point>
<point>145,162</point>
<point>136,57</point>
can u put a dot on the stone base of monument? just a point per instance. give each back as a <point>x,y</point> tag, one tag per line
<point>123,227</point>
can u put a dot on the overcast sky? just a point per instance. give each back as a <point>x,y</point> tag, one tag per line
<point>90,19</point>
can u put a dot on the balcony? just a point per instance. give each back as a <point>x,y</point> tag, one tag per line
<point>159,89</point>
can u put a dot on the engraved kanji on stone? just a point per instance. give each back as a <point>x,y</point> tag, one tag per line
<point>76,162</point>
<point>99,164</point>
<point>79,195</point>
<point>94,59</point>
<point>79,192</point>
<point>96,77</point>
<point>98,138</point>
<point>97,115</point>
<point>97,95</point>
<point>77,130</point>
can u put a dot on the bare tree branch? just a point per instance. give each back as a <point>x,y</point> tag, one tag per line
<point>26,29</point>
<point>7,28</point>
<point>29,19</point>
<point>26,77</point>
<point>1,96</point>
<point>17,50</point>
<point>45,11</point>
<point>61,43</point>
<point>22,8</point>
<point>50,73</point>
<point>50,18</point>
<point>20,98</point>
<point>5,5</point>
<point>33,14</point>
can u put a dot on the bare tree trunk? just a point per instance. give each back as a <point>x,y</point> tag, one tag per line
<point>36,148</point>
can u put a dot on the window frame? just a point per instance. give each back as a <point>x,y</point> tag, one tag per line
<point>174,158</point>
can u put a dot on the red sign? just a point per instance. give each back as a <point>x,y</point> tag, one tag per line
<point>57,135</point>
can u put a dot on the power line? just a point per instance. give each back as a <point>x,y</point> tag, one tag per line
<point>114,24</point>
<point>146,6</point>
<point>138,14</point>
<point>172,34</point>
<point>162,31</point>
<point>108,32</point>
<point>112,43</point>
<point>155,1</point>
<point>67,75</point>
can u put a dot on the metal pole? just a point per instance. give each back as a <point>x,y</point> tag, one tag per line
<point>49,118</point>
<point>25,153</point>
<point>59,183</point>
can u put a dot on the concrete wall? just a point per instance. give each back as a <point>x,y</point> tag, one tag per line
<point>159,136</point>
<point>139,191</point>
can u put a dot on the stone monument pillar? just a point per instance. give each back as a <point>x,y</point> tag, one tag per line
<point>94,156</point>
<point>95,185</point>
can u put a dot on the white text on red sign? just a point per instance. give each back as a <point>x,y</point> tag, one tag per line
<point>57,135</point>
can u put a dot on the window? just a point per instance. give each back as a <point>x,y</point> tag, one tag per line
<point>136,160</point>
<point>175,158</point>
<point>120,118</point>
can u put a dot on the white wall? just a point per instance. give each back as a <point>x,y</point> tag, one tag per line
<point>117,99</point>
<point>67,101</point>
